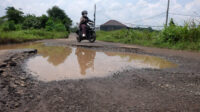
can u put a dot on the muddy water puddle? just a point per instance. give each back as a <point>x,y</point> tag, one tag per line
<point>59,62</point>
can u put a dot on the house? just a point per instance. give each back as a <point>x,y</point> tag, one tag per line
<point>112,25</point>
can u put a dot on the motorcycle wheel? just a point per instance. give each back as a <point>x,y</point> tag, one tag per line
<point>78,39</point>
<point>93,39</point>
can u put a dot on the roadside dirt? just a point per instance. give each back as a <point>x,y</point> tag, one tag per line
<point>135,90</point>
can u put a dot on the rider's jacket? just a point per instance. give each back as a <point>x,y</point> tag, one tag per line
<point>84,20</point>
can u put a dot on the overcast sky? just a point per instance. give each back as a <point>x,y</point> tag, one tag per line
<point>125,11</point>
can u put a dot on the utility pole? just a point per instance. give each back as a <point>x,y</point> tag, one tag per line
<point>95,16</point>
<point>167,14</point>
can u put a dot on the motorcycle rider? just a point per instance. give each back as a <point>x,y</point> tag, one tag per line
<point>83,22</point>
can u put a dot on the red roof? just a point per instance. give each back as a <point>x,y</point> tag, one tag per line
<point>114,23</point>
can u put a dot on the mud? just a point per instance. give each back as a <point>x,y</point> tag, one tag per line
<point>135,90</point>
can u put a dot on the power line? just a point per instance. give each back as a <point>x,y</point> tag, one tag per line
<point>148,18</point>
<point>184,15</point>
<point>148,25</point>
<point>196,13</point>
<point>142,25</point>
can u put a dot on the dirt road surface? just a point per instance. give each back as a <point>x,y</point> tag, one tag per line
<point>136,90</point>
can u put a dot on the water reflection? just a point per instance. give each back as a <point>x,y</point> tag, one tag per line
<point>59,63</point>
<point>55,54</point>
<point>85,59</point>
<point>86,63</point>
<point>144,59</point>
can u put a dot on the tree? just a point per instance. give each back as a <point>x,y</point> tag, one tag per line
<point>43,20</point>
<point>171,23</point>
<point>150,29</point>
<point>55,26</point>
<point>49,25</point>
<point>14,15</point>
<point>58,14</point>
<point>59,27</point>
<point>31,21</point>
<point>67,23</point>
<point>1,20</point>
<point>9,26</point>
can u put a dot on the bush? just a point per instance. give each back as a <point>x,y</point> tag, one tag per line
<point>29,35</point>
<point>1,20</point>
<point>59,27</point>
<point>174,33</point>
<point>43,20</point>
<point>9,26</point>
<point>55,25</point>
<point>18,26</point>
<point>49,25</point>
<point>31,22</point>
<point>185,37</point>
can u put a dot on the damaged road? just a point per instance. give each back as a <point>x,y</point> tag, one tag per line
<point>134,90</point>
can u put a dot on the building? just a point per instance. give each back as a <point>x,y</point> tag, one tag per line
<point>112,25</point>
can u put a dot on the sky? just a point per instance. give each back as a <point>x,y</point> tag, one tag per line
<point>129,12</point>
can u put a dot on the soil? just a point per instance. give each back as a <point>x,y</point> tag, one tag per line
<point>134,90</point>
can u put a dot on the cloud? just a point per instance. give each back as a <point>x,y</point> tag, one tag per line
<point>126,11</point>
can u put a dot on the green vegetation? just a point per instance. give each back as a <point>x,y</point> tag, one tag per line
<point>29,35</point>
<point>16,27</point>
<point>173,36</point>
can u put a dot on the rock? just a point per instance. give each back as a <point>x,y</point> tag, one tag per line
<point>2,85</point>
<point>6,61</point>
<point>13,85</point>
<point>17,104</point>
<point>1,71</point>
<point>4,74</point>
<point>14,59</point>
<point>31,96</point>
<point>2,65</point>
<point>22,84</point>
<point>20,92</point>
<point>22,78</point>
<point>197,93</point>
<point>17,82</point>
<point>31,51</point>
<point>2,101</point>
<point>13,63</point>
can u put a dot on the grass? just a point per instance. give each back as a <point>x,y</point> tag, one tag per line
<point>129,37</point>
<point>173,37</point>
<point>29,35</point>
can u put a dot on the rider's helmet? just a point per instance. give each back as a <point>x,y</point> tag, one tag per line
<point>84,13</point>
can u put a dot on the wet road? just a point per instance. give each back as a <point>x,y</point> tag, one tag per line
<point>133,90</point>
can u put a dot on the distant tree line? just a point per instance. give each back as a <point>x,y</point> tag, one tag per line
<point>56,20</point>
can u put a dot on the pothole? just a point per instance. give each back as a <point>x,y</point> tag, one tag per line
<point>60,63</point>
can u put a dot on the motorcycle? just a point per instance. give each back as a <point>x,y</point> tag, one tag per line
<point>90,33</point>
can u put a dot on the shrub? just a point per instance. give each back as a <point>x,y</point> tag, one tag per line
<point>174,33</point>
<point>49,25</point>
<point>43,20</point>
<point>18,26</point>
<point>55,25</point>
<point>9,26</point>
<point>31,22</point>
<point>185,37</point>
<point>59,27</point>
